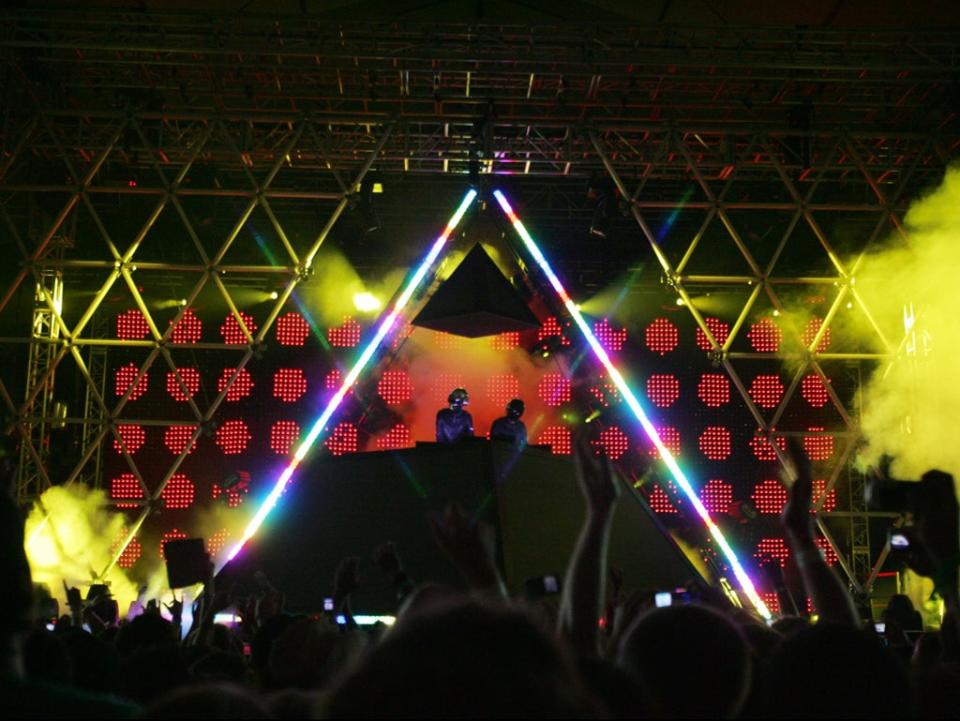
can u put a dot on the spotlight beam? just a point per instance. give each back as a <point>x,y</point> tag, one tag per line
<point>745,583</point>
<point>320,424</point>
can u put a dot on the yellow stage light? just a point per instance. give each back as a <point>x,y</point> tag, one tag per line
<point>366,302</point>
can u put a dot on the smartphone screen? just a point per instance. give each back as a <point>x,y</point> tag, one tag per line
<point>328,604</point>
<point>880,627</point>
<point>899,541</point>
<point>550,584</point>
<point>663,599</point>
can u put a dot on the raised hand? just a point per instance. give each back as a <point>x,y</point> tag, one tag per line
<point>470,544</point>
<point>346,580</point>
<point>796,518</point>
<point>598,479</point>
<point>387,559</point>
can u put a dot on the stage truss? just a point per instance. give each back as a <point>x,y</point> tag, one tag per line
<point>710,132</point>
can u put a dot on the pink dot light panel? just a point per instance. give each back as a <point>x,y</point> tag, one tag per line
<point>395,387</point>
<point>124,378</point>
<point>719,329</point>
<point>818,447</point>
<point>551,328</point>
<point>612,443</point>
<point>558,438</point>
<point>187,330</point>
<point>660,501</point>
<point>663,389</point>
<point>240,388</point>
<point>501,389</point>
<point>178,493</point>
<point>715,443</point>
<point>671,439</point>
<point>131,553</point>
<point>131,325</point>
<point>176,438</point>
<point>772,548</point>
<point>813,390</point>
<point>234,495</point>
<point>232,437</point>
<point>396,437</point>
<point>765,336</point>
<point>448,341</point>
<point>763,449</point>
<point>133,435</point>
<point>766,390</point>
<point>661,336</point>
<point>174,534</point>
<point>292,329</point>
<point>344,439</point>
<point>233,334</point>
<point>810,333</point>
<point>126,491</point>
<point>506,341</point>
<point>289,384</point>
<point>554,389</point>
<point>442,383</point>
<point>829,555</point>
<point>717,496</point>
<point>769,497</point>
<point>345,335</point>
<point>217,542</point>
<point>610,337</point>
<point>830,502</point>
<point>189,387</point>
<point>284,436</point>
<point>714,389</point>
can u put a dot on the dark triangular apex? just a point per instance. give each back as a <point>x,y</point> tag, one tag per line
<point>475,301</point>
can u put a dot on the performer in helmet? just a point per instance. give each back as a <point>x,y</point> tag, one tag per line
<point>454,423</point>
<point>510,427</point>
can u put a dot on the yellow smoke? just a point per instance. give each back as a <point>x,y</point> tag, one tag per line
<point>910,408</point>
<point>73,543</point>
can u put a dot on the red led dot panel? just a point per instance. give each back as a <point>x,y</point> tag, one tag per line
<point>818,447</point>
<point>671,439</point>
<point>345,335</point>
<point>606,392</point>
<point>131,325</point>
<point>289,384</point>
<point>396,437</point>
<point>558,438</point>
<point>718,329</point>
<point>829,555</point>
<point>448,341</point>
<point>663,389</point>
<point>610,338</point>
<point>134,436</point>
<point>715,443</point>
<point>554,389</point>
<point>813,391</point>
<point>830,503</point>
<point>401,335</point>
<point>766,390</point>
<point>442,383</point>
<point>772,600</point>
<point>284,435</point>
<point>241,386</point>
<point>506,341</point>
<point>769,497</point>
<point>551,328</point>
<point>612,443</point>
<point>395,387</point>
<point>131,554</point>
<point>775,548</point>
<point>232,333</point>
<point>660,501</point>
<point>176,438</point>
<point>217,541</point>
<point>333,380</point>
<point>124,377</point>
<point>233,437</point>
<point>178,493</point>
<point>765,336</point>
<point>717,496</point>
<point>187,330</point>
<point>343,439</point>
<point>763,449</point>
<point>190,378</point>
<point>234,495</point>
<point>174,534</point>
<point>714,389</point>
<point>810,332</point>
<point>125,490</point>
<point>661,336</point>
<point>292,329</point>
<point>501,388</point>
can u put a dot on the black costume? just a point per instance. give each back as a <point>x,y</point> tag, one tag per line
<point>454,423</point>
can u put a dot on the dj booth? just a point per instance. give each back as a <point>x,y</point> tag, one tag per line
<point>348,505</point>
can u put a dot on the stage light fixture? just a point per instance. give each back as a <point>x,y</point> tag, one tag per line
<point>366,302</point>
<point>634,404</point>
<point>320,425</point>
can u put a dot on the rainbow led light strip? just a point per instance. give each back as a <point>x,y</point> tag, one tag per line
<point>745,583</point>
<point>320,424</point>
